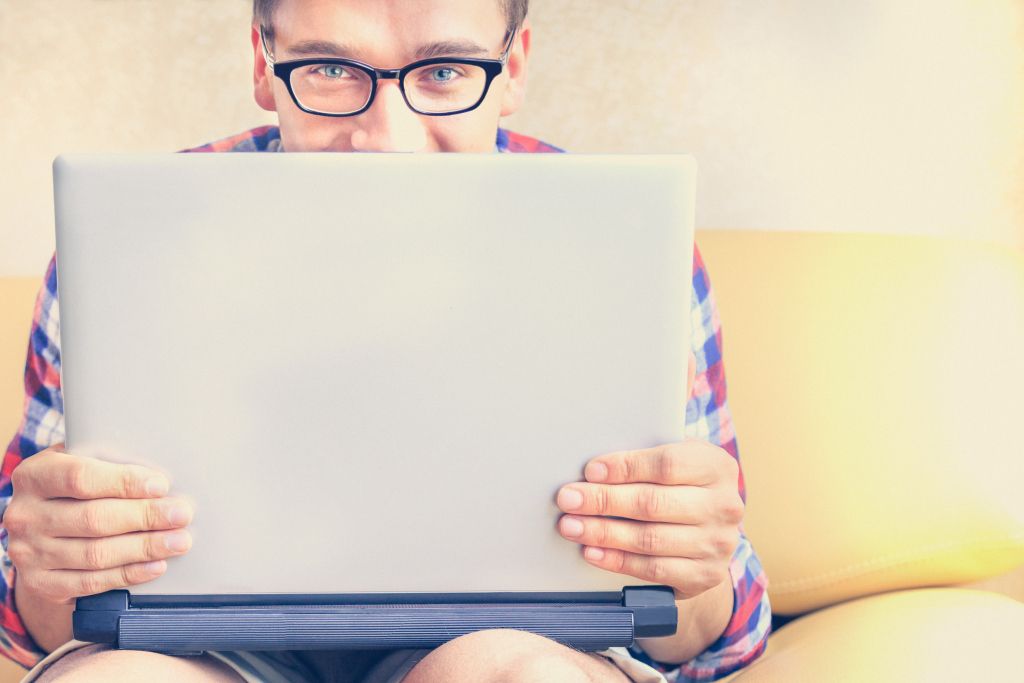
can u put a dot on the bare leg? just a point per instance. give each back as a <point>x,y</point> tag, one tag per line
<point>99,663</point>
<point>502,656</point>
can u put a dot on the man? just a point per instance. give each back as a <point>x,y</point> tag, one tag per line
<point>76,526</point>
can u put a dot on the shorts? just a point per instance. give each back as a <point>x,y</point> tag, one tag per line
<point>289,666</point>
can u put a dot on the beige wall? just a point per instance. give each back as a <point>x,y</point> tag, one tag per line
<point>889,115</point>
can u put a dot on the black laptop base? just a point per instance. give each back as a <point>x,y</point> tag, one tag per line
<point>195,624</point>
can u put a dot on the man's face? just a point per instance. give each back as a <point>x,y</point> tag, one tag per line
<point>388,34</point>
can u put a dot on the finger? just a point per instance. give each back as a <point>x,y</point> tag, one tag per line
<point>116,551</point>
<point>57,474</point>
<point>691,375</point>
<point>689,577</point>
<point>68,584</point>
<point>113,516</point>
<point>649,538</point>
<point>690,463</point>
<point>642,502</point>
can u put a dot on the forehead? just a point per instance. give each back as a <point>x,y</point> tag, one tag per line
<point>388,26</point>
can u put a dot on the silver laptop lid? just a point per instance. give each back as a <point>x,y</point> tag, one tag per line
<point>372,373</point>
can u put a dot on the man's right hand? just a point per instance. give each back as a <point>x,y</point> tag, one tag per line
<point>80,526</point>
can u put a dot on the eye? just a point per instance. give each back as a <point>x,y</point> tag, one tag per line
<point>443,74</point>
<point>331,71</point>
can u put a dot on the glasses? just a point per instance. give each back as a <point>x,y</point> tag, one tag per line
<point>438,86</point>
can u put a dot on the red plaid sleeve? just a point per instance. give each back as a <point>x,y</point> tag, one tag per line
<point>42,425</point>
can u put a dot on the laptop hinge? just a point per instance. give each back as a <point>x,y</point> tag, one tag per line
<point>642,612</point>
<point>654,610</point>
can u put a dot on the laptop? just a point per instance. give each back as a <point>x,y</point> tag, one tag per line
<point>372,374</point>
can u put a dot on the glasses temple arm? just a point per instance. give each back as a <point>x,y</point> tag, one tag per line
<point>267,54</point>
<point>508,45</point>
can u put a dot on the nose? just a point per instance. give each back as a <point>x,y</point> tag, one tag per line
<point>389,125</point>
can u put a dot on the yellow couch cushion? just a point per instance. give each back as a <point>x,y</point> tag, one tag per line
<point>936,634</point>
<point>875,383</point>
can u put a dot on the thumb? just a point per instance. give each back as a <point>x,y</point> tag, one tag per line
<point>691,375</point>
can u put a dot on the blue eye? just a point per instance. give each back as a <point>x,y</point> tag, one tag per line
<point>332,71</point>
<point>443,75</point>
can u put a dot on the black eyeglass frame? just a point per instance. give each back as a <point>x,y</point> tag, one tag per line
<point>492,68</point>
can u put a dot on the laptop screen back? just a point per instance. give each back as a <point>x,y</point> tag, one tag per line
<point>373,373</point>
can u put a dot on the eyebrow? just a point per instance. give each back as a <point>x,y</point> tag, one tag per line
<point>454,48</point>
<point>319,47</point>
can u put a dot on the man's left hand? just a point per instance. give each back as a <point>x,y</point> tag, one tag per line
<point>669,515</point>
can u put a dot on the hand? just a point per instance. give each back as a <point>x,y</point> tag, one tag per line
<point>80,526</point>
<point>669,515</point>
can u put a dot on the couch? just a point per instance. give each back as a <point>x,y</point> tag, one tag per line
<point>873,381</point>
<point>875,386</point>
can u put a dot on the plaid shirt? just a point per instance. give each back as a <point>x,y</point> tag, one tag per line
<point>707,417</point>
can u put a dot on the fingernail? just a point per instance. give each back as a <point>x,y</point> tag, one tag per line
<point>596,471</point>
<point>594,554</point>
<point>177,515</point>
<point>572,527</point>
<point>569,499</point>
<point>177,542</point>
<point>155,567</point>
<point>156,487</point>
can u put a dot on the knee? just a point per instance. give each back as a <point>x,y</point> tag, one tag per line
<point>502,656</point>
<point>543,666</point>
<point>117,665</point>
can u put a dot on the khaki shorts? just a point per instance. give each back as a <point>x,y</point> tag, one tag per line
<point>289,667</point>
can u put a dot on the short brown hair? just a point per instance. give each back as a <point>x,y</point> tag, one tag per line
<point>515,13</point>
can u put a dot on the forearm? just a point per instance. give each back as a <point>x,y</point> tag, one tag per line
<point>702,619</point>
<point>48,623</point>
